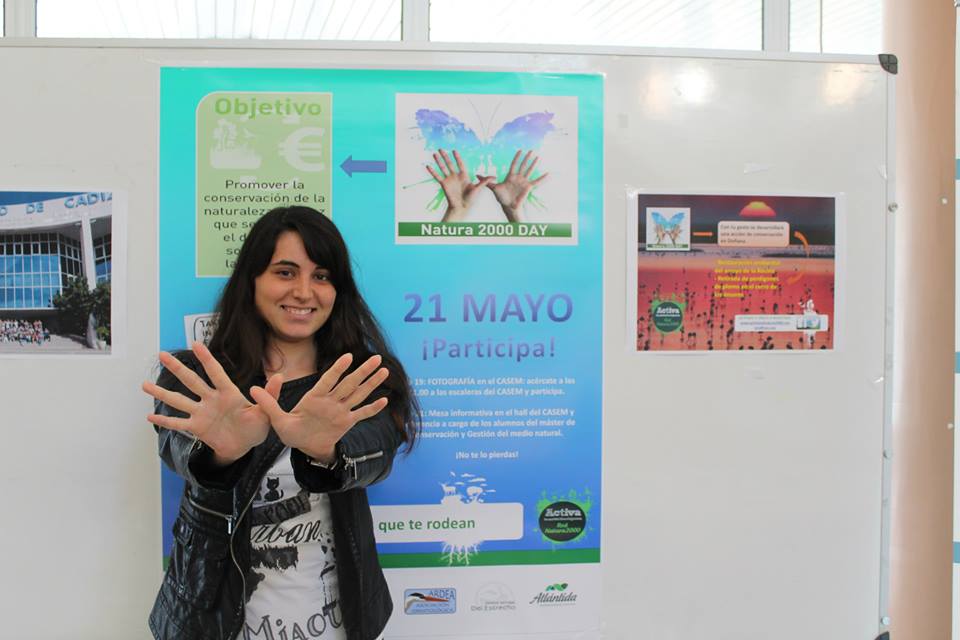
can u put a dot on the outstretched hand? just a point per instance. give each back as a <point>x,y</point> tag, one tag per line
<point>328,410</point>
<point>221,417</point>
<point>457,185</point>
<point>516,185</point>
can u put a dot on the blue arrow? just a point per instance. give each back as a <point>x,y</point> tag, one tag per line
<point>351,166</point>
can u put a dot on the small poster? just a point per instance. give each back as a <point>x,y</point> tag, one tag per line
<point>486,169</point>
<point>58,282</point>
<point>731,272</point>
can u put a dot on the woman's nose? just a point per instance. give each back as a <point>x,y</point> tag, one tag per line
<point>302,288</point>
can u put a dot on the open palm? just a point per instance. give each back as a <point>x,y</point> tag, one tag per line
<point>221,416</point>
<point>457,184</point>
<point>329,409</point>
<point>512,192</point>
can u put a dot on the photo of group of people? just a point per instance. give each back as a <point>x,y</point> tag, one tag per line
<point>24,332</point>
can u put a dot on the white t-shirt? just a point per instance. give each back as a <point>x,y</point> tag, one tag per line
<point>293,568</point>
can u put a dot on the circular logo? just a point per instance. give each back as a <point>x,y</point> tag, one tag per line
<point>562,521</point>
<point>667,317</point>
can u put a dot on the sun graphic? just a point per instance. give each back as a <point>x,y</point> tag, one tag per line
<point>758,209</point>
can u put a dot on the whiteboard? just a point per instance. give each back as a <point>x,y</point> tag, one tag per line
<point>746,494</point>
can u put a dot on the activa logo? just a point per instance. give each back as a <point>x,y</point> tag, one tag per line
<point>554,595</point>
<point>667,316</point>
<point>562,521</point>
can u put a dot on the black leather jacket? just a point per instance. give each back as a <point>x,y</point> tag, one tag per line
<point>202,596</point>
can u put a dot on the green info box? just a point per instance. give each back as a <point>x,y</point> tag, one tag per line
<point>257,151</point>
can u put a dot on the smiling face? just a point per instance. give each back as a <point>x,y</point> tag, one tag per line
<point>294,295</point>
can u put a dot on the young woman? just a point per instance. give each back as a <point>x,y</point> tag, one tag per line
<point>296,406</point>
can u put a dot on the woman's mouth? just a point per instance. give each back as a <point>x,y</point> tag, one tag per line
<point>297,311</point>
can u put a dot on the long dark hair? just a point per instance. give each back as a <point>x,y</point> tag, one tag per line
<point>240,334</point>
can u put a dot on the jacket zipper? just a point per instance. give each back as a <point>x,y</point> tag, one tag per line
<point>226,516</point>
<point>236,563</point>
<point>353,462</point>
<point>231,531</point>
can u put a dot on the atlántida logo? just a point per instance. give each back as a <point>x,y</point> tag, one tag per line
<point>555,594</point>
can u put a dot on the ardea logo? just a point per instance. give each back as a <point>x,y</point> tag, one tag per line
<point>428,601</point>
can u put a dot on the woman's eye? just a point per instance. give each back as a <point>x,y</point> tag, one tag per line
<point>322,276</point>
<point>284,273</point>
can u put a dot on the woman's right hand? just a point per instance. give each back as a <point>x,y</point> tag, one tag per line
<point>221,417</point>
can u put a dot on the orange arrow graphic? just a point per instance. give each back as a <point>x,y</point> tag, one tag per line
<point>806,247</point>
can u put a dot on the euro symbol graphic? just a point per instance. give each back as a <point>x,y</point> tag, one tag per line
<point>302,153</point>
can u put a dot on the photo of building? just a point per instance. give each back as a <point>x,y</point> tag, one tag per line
<point>55,268</point>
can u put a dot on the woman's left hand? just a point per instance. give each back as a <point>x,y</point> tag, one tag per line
<point>329,410</point>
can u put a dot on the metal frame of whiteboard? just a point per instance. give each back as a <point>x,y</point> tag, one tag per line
<point>839,260</point>
<point>890,295</point>
<point>429,47</point>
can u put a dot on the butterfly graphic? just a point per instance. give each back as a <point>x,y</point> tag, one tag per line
<point>482,154</point>
<point>667,228</point>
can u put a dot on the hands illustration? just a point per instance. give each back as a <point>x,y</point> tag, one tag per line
<point>516,186</point>
<point>223,419</point>
<point>457,185</point>
<point>461,191</point>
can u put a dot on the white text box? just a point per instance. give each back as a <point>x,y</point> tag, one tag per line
<point>457,522</point>
<point>742,233</point>
<point>776,323</point>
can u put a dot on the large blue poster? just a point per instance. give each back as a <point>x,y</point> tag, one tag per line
<point>472,205</point>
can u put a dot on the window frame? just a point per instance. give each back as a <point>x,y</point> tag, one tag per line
<point>20,21</point>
